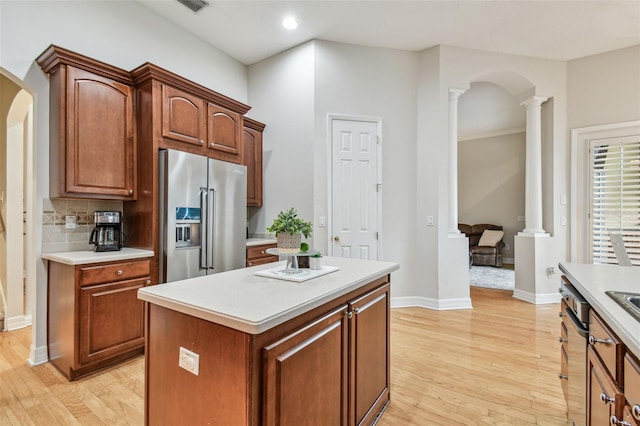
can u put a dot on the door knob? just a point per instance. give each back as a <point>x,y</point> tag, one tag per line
<point>336,239</point>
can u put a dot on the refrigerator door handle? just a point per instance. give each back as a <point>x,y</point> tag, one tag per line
<point>211,222</point>
<point>203,228</point>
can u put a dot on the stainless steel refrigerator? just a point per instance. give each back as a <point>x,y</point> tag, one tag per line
<point>202,215</point>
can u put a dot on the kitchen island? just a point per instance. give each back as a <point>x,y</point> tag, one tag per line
<point>264,351</point>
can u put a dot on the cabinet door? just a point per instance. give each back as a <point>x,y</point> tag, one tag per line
<point>224,134</point>
<point>183,116</point>
<point>306,375</point>
<point>111,319</point>
<point>632,389</point>
<point>603,396</point>
<point>100,136</point>
<point>252,140</point>
<point>369,372</point>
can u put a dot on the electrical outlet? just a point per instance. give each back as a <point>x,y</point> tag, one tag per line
<point>507,247</point>
<point>551,272</point>
<point>70,222</point>
<point>563,221</point>
<point>190,361</point>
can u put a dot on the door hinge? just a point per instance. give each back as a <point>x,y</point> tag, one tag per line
<point>378,140</point>
<point>378,187</point>
<point>376,235</point>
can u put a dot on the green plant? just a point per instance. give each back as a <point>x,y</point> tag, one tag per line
<point>316,255</point>
<point>289,222</point>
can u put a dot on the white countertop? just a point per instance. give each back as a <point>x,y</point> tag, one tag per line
<point>243,301</point>
<point>593,280</point>
<point>260,241</point>
<point>83,257</point>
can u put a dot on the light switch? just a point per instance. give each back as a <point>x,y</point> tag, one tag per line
<point>563,199</point>
<point>429,220</point>
<point>322,222</point>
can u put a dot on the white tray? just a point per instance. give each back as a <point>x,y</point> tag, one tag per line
<point>304,274</point>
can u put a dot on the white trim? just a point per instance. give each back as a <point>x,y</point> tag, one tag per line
<point>579,136</point>
<point>536,299</point>
<point>39,355</point>
<point>344,117</point>
<point>495,134</point>
<point>17,322</point>
<point>429,303</point>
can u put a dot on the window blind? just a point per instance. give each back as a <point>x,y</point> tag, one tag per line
<point>615,197</point>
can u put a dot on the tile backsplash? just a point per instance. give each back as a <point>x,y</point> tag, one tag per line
<point>57,238</point>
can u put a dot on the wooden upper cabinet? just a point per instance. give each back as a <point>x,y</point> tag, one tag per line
<point>224,133</point>
<point>92,134</point>
<point>252,139</point>
<point>183,116</point>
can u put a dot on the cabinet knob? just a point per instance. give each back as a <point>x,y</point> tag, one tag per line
<point>614,421</point>
<point>119,272</point>
<point>562,339</point>
<point>148,282</point>
<point>201,141</point>
<point>131,192</point>
<point>560,314</point>
<point>250,264</point>
<point>262,252</point>
<point>349,314</point>
<point>635,411</point>
<point>605,399</point>
<point>563,376</point>
<point>356,311</point>
<point>593,340</point>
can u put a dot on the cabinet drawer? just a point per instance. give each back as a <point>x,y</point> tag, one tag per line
<point>632,386</point>
<point>258,252</point>
<point>606,344</point>
<point>262,261</point>
<point>99,274</point>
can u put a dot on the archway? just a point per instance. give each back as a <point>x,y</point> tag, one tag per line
<point>17,205</point>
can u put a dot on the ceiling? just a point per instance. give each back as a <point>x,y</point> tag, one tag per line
<point>251,31</point>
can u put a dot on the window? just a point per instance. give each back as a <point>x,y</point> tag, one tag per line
<point>615,197</point>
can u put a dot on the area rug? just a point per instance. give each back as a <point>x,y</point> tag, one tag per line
<point>490,277</point>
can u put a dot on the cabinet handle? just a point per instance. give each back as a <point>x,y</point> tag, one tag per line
<point>561,314</point>
<point>119,272</point>
<point>563,376</point>
<point>607,399</point>
<point>148,282</point>
<point>635,411</point>
<point>615,422</point>
<point>562,340</point>
<point>593,340</point>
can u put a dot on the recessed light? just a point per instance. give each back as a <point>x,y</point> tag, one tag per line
<point>290,23</point>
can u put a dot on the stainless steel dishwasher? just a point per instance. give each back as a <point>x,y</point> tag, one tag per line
<point>575,323</point>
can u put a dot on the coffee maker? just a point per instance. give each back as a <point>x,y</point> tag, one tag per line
<point>107,235</point>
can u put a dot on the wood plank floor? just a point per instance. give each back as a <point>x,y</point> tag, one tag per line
<point>494,365</point>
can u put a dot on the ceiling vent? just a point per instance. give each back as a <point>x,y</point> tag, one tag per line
<point>194,5</point>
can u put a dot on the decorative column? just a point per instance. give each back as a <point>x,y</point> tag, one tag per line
<point>454,95</point>
<point>533,170</point>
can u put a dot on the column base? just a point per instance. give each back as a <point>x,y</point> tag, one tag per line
<point>534,254</point>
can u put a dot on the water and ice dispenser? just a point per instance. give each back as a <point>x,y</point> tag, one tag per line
<point>188,223</point>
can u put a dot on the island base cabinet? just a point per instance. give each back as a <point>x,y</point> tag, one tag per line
<point>329,366</point>
<point>603,395</point>
<point>306,374</point>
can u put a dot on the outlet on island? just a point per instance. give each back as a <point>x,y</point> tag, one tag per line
<point>190,361</point>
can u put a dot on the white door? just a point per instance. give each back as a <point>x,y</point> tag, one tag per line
<point>355,196</point>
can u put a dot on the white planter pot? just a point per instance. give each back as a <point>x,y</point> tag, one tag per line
<point>315,263</point>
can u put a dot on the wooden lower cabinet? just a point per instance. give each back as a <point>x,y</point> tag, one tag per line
<point>603,394</point>
<point>329,366</point>
<point>631,412</point>
<point>95,318</point>
<point>257,255</point>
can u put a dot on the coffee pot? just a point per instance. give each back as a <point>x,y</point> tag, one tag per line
<point>107,234</point>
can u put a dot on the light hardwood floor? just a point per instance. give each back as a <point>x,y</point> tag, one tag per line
<point>494,365</point>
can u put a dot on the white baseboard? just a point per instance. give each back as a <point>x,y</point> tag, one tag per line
<point>38,355</point>
<point>429,303</point>
<point>536,299</point>
<point>17,322</point>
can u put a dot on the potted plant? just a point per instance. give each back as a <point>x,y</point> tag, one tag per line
<point>289,229</point>
<point>315,261</point>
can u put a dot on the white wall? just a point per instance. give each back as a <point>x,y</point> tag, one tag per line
<point>124,34</point>
<point>281,92</point>
<point>604,88</point>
